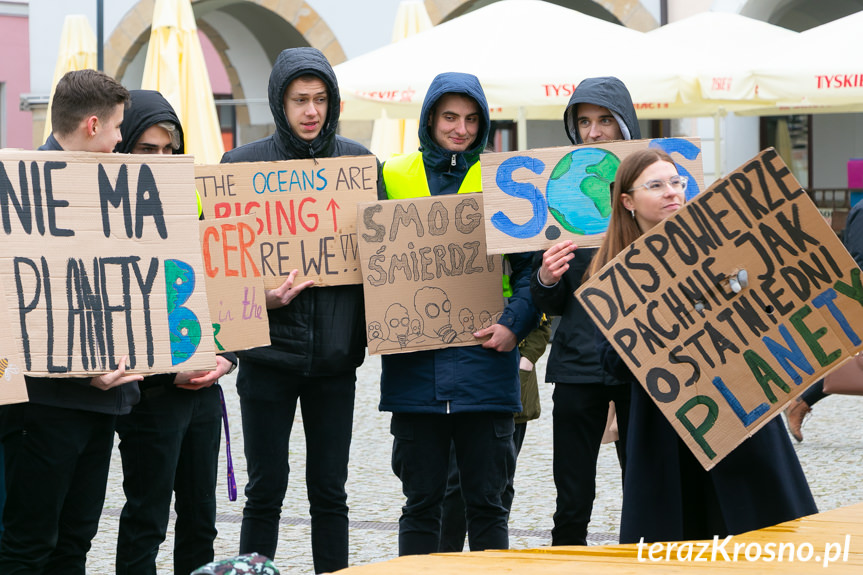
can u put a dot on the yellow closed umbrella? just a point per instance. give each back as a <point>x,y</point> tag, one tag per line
<point>175,67</point>
<point>391,136</point>
<point>77,52</point>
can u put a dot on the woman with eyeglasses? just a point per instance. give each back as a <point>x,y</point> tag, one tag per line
<point>667,494</point>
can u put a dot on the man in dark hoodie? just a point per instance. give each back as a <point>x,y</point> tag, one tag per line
<point>57,447</point>
<point>170,442</point>
<point>317,344</point>
<point>459,396</point>
<point>599,110</point>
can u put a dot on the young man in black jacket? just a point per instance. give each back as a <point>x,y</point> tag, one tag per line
<point>57,447</point>
<point>317,343</point>
<point>170,442</point>
<point>600,109</point>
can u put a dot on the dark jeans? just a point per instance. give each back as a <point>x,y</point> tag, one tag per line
<point>814,393</point>
<point>580,413</point>
<point>169,445</point>
<point>453,526</point>
<point>268,399</point>
<point>57,464</point>
<point>485,456</point>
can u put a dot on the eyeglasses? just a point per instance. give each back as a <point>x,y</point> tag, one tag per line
<point>677,183</point>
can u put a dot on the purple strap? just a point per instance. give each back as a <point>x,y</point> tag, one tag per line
<point>232,484</point>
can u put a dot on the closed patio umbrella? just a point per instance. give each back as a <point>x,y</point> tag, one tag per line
<point>77,52</point>
<point>175,67</point>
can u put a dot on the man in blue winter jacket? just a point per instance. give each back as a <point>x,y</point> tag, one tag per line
<point>460,396</point>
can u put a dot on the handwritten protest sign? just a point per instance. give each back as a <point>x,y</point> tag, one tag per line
<point>536,198</point>
<point>306,212</point>
<point>427,279</point>
<point>235,286</point>
<point>101,259</point>
<point>730,308</point>
<point>13,388</point>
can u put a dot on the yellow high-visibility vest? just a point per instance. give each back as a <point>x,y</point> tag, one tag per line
<point>405,177</point>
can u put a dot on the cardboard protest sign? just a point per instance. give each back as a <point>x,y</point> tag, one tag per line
<point>235,286</point>
<point>536,198</point>
<point>730,308</point>
<point>427,279</point>
<point>101,259</point>
<point>306,212</point>
<point>13,388</point>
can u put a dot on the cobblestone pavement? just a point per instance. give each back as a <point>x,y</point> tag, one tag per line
<point>832,456</point>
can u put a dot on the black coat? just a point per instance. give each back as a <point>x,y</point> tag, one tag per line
<point>668,496</point>
<point>322,331</point>
<point>573,357</point>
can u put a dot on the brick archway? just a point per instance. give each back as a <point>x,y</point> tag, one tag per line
<point>631,14</point>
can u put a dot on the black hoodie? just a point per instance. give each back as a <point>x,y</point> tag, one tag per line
<point>148,108</point>
<point>573,357</point>
<point>322,331</point>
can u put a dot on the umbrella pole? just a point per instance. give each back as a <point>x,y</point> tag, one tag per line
<point>521,122</point>
<point>717,151</point>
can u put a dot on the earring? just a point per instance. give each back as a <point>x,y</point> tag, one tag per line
<point>631,211</point>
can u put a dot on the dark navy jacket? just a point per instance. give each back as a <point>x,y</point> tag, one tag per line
<point>460,379</point>
<point>322,332</point>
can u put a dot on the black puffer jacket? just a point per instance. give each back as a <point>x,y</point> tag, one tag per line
<point>322,331</point>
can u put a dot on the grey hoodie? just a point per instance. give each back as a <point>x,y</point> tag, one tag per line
<point>608,92</point>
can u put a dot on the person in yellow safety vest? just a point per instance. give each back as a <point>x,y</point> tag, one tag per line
<point>462,397</point>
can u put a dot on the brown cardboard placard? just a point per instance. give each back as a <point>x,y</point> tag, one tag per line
<point>427,280</point>
<point>722,373</point>
<point>306,212</point>
<point>536,198</point>
<point>235,285</point>
<point>13,388</point>
<point>101,259</point>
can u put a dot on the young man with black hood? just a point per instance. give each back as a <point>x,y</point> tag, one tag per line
<point>599,110</point>
<point>317,344</point>
<point>170,441</point>
<point>459,396</point>
<point>57,447</point>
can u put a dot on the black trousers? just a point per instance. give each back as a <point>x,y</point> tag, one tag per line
<point>169,445</point>
<point>580,414</point>
<point>268,399</point>
<point>485,457</point>
<point>57,463</point>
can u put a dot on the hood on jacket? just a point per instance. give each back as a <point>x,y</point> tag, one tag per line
<point>148,108</point>
<point>292,63</point>
<point>608,92</point>
<point>453,83</point>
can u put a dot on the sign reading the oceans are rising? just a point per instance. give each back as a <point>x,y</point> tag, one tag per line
<point>305,212</point>
<point>536,198</point>
<point>732,307</point>
<point>101,259</point>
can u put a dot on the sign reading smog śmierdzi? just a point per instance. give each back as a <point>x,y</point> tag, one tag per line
<point>427,280</point>
<point>101,259</point>
<point>730,308</point>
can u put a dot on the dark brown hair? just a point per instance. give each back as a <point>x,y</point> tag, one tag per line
<point>83,93</point>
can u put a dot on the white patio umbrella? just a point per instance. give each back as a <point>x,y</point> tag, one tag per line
<point>821,71</point>
<point>399,136</point>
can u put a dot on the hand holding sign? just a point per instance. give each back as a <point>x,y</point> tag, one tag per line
<point>116,377</point>
<point>555,262</point>
<point>282,295</point>
<point>195,380</point>
<point>502,338</point>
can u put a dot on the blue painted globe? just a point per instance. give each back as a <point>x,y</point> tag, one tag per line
<point>579,190</point>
